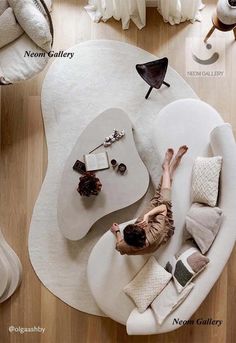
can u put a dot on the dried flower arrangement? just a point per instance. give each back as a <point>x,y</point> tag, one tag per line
<point>89,185</point>
<point>109,140</point>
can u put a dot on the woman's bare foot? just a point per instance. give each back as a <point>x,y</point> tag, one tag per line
<point>177,159</point>
<point>168,157</point>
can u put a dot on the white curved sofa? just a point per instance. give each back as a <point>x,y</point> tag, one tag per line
<point>14,67</point>
<point>198,125</point>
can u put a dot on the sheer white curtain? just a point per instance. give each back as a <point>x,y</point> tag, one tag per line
<point>177,11</point>
<point>125,10</point>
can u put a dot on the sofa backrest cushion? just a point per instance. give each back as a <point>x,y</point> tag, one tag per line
<point>33,22</point>
<point>9,28</point>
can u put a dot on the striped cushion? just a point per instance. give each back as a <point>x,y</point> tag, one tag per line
<point>186,265</point>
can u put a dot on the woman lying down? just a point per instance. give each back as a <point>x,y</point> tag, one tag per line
<point>156,225</point>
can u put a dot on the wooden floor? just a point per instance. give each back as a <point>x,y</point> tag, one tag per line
<point>23,164</point>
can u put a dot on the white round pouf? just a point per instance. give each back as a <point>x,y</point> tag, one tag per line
<point>101,75</point>
<point>15,66</point>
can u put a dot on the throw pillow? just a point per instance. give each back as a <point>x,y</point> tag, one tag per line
<point>205,180</point>
<point>33,22</point>
<point>147,284</point>
<point>169,300</point>
<point>10,29</point>
<point>187,264</point>
<point>3,6</point>
<point>203,223</point>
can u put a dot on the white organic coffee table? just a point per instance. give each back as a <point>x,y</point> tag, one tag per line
<point>77,214</point>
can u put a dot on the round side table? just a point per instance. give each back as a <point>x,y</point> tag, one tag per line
<point>217,24</point>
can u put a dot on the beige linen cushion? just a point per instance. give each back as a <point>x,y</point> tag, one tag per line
<point>202,224</point>
<point>33,22</point>
<point>147,284</point>
<point>205,180</point>
<point>3,6</point>
<point>169,300</point>
<point>9,28</point>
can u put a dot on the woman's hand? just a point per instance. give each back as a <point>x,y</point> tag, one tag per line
<point>145,220</point>
<point>114,228</point>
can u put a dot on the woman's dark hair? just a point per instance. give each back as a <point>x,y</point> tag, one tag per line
<point>89,185</point>
<point>134,236</point>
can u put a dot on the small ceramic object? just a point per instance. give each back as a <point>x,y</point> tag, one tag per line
<point>122,168</point>
<point>114,163</point>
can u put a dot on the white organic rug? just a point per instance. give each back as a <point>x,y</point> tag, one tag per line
<point>101,75</point>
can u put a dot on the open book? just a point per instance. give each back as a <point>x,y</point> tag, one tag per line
<point>96,161</point>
